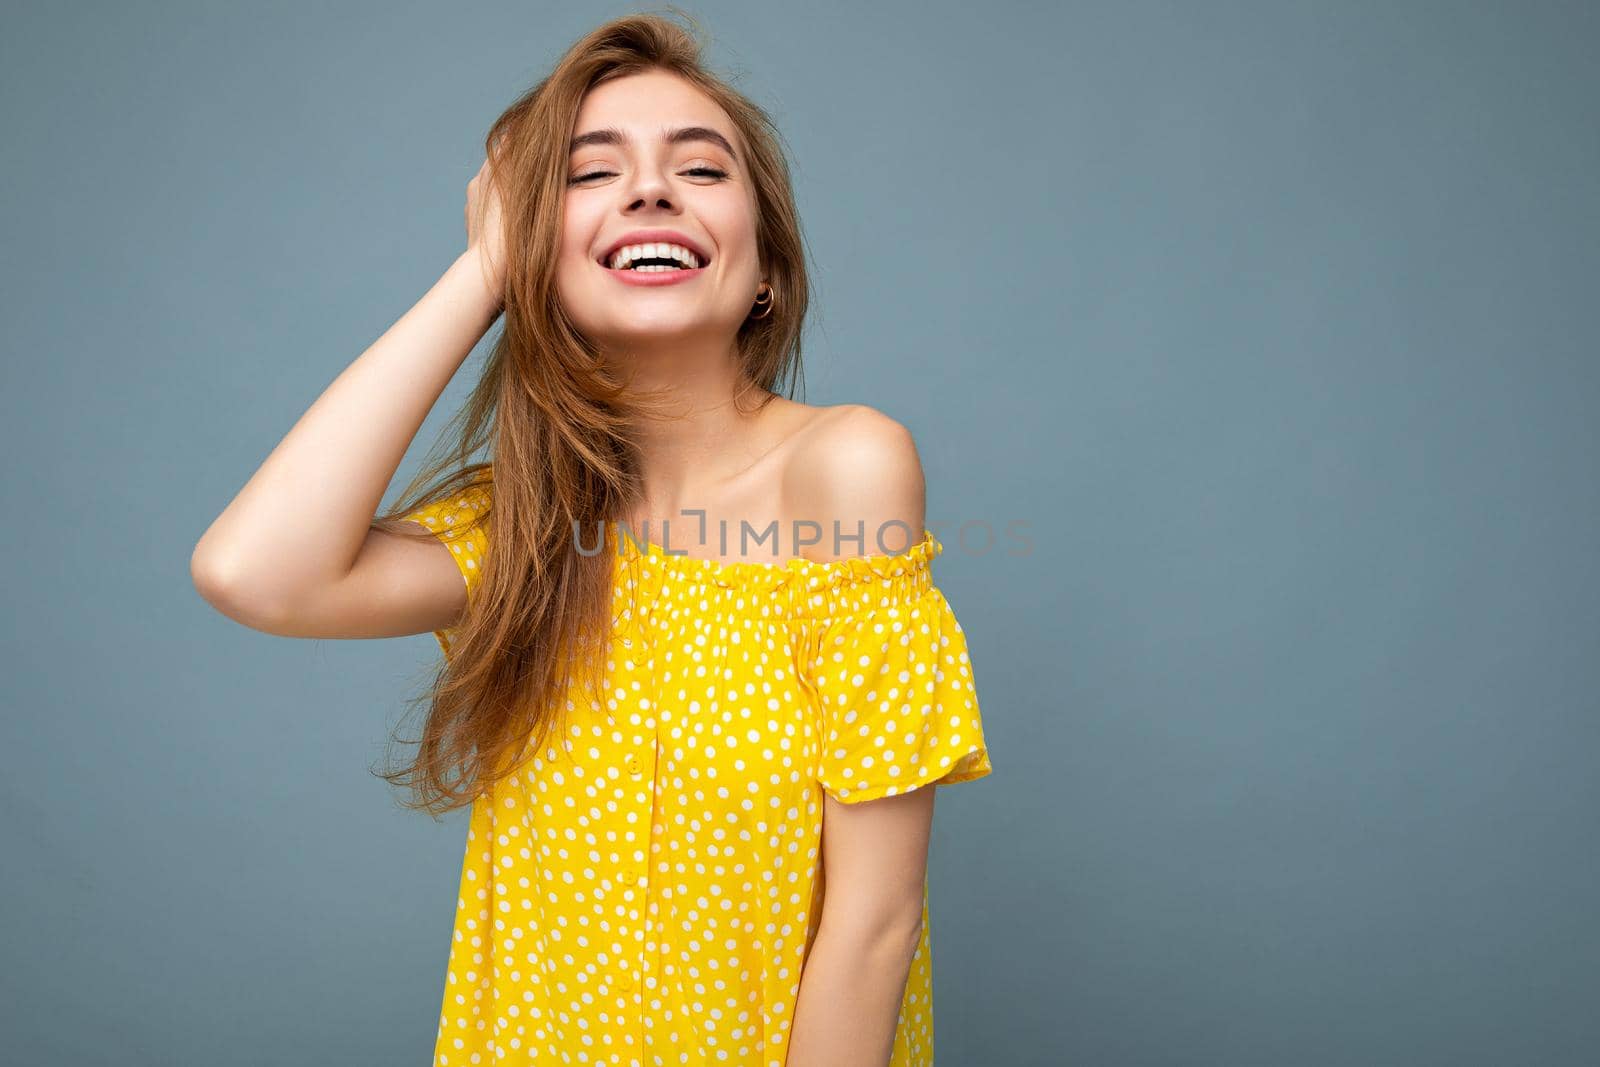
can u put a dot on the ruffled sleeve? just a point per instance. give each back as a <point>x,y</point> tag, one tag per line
<point>455,522</point>
<point>896,695</point>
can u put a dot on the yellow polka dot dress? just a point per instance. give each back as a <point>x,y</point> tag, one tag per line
<point>644,890</point>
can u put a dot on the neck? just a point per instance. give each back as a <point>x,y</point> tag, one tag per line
<point>699,441</point>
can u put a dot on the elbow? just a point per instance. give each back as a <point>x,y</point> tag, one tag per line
<point>209,577</point>
<point>228,588</point>
<point>898,939</point>
<point>213,569</point>
<point>887,935</point>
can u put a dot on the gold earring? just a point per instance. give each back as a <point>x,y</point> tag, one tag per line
<point>764,302</point>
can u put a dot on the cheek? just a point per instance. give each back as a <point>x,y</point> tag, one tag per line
<point>738,263</point>
<point>571,247</point>
<point>572,259</point>
<point>739,226</point>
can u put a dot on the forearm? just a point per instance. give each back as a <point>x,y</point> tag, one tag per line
<point>302,517</point>
<point>850,996</point>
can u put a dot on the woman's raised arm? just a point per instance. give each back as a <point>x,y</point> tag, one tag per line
<point>292,553</point>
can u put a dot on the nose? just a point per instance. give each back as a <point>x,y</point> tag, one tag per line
<point>649,190</point>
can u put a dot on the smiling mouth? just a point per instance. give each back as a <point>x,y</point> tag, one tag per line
<point>653,257</point>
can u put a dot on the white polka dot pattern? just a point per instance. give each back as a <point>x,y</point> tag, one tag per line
<point>451,522</point>
<point>644,890</point>
<point>901,710</point>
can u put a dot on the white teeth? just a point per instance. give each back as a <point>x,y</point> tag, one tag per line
<point>624,257</point>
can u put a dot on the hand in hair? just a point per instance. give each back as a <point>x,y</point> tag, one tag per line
<point>486,229</point>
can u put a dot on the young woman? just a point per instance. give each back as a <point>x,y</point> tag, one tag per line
<point>698,679</point>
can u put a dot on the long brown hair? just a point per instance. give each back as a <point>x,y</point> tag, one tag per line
<point>559,421</point>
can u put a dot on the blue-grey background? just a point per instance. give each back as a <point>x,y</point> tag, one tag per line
<point>1275,322</point>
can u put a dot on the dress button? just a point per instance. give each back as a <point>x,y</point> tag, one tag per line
<point>625,982</point>
<point>633,765</point>
<point>628,877</point>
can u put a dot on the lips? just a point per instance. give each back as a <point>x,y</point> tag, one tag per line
<point>639,237</point>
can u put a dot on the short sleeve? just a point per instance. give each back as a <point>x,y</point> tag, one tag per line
<point>453,521</point>
<point>897,699</point>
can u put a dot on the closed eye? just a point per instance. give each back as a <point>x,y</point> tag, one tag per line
<point>700,172</point>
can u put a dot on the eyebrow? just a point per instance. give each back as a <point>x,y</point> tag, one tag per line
<point>613,136</point>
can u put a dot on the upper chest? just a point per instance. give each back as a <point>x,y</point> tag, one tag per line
<point>753,513</point>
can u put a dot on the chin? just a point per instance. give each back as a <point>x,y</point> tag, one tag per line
<point>649,329</point>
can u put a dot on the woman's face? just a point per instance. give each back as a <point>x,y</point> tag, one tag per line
<point>653,153</point>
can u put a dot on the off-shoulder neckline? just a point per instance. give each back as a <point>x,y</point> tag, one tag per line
<point>918,555</point>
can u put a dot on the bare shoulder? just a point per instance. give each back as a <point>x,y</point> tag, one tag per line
<point>856,470</point>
